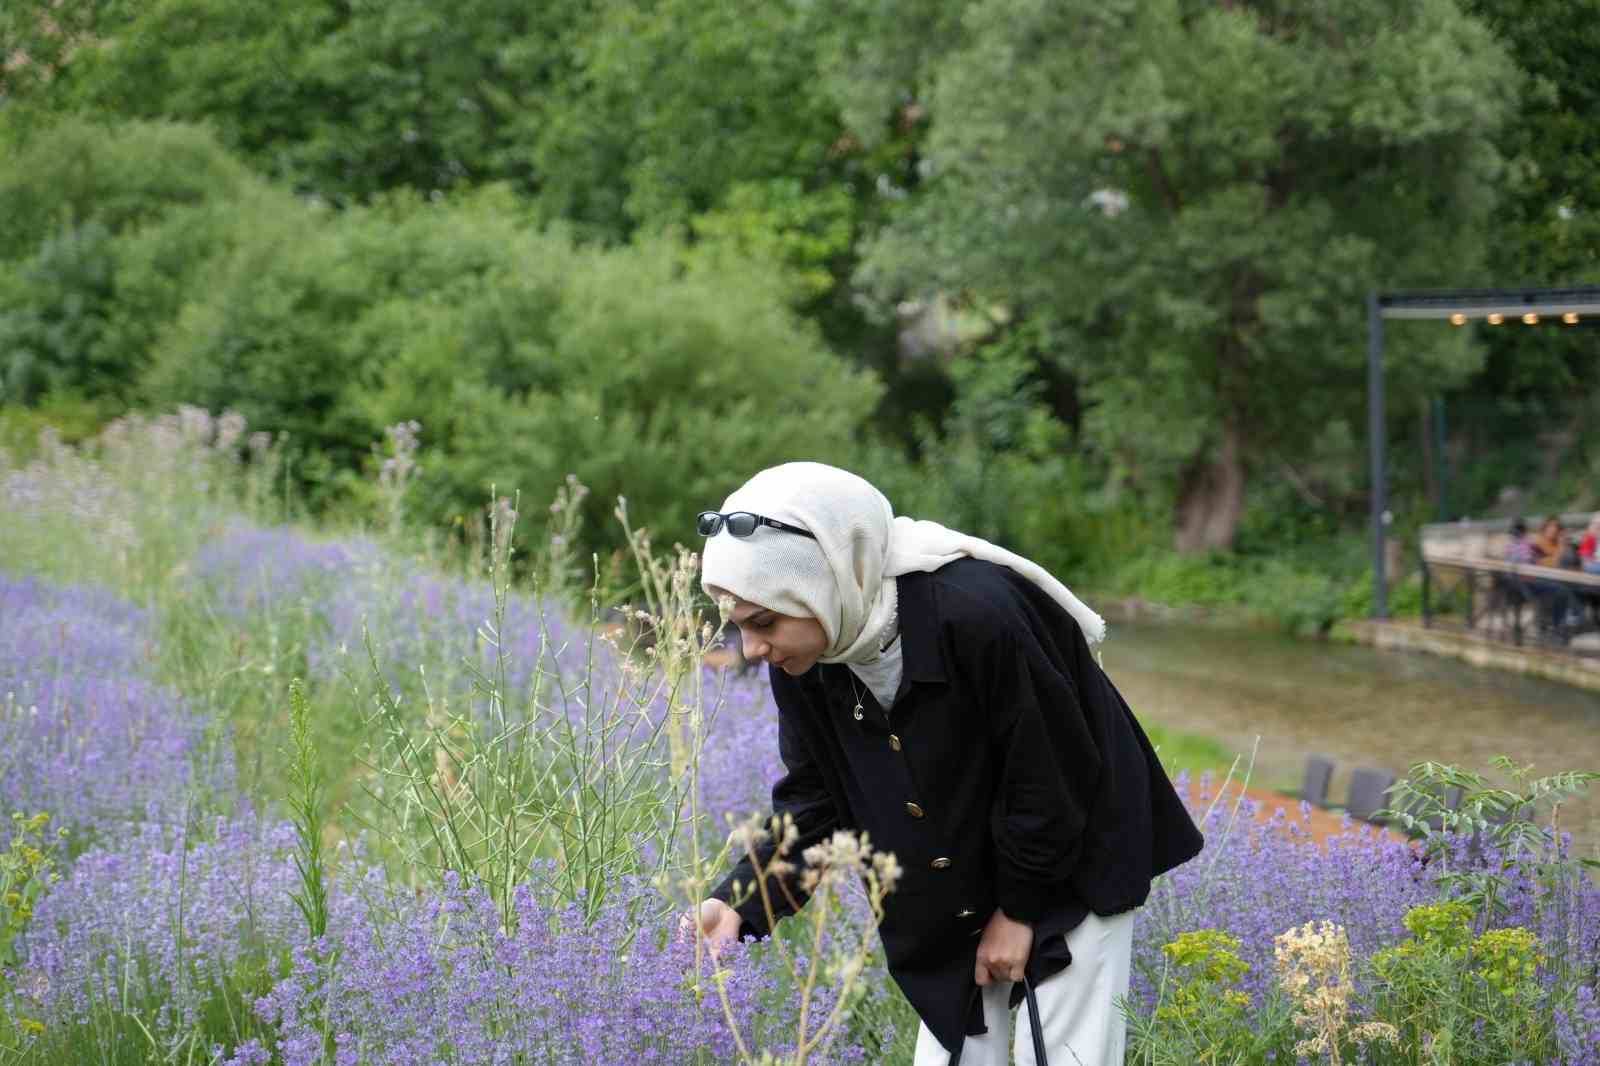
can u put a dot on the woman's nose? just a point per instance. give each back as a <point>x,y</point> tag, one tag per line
<point>754,647</point>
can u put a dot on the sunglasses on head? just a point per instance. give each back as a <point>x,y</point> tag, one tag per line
<point>742,524</point>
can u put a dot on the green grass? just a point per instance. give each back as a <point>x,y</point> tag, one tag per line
<point>1189,752</point>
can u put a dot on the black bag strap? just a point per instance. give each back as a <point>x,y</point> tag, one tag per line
<point>1039,1055</point>
<point>1034,1024</point>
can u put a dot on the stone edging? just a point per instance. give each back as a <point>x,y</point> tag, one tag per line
<point>1534,662</point>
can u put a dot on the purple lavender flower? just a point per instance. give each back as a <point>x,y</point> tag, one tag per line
<point>249,569</point>
<point>159,917</point>
<point>1255,880</point>
<point>1577,1029</point>
<point>82,734</point>
<point>437,973</point>
<point>741,760</point>
<point>413,981</point>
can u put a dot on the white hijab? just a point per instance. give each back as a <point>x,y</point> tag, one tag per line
<point>845,578</point>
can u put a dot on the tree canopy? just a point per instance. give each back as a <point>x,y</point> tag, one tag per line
<point>1197,197</point>
<point>1150,224</point>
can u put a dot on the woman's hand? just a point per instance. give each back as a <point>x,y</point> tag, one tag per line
<point>719,923</point>
<point>1003,950</point>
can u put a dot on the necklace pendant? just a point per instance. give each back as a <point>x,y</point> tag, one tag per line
<point>858,713</point>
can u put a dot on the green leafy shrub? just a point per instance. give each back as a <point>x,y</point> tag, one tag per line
<point>69,418</point>
<point>1208,963</point>
<point>1447,989</point>
<point>53,313</point>
<point>642,370</point>
<point>1000,467</point>
<point>1203,1014</point>
<point>118,175</point>
<point>27,869</point>
<point>103,233</point>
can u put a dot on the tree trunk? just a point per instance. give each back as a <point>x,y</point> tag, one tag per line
<point>1211,497</point>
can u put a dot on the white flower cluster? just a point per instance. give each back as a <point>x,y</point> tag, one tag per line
<point>1313,962</point>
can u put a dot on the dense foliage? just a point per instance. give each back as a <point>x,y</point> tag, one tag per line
<point>644,370</point>
<point>1159,219</point>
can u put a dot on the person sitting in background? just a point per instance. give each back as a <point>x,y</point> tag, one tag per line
<point>1587,556</point>
<point>1548,545</point>
<point>1558,602</point>
<point>1519,549</point>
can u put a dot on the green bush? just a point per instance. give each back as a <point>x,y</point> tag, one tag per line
<point>70,418</point>
<point>103,233</point>
<point>53,310</point>
<point>268,337</point>
<point>643,370</point>
<point>77,171</point>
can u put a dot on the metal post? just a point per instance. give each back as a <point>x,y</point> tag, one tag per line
<point>1375,449</point>
<point>1427,591</point>
<point>1441,460</point>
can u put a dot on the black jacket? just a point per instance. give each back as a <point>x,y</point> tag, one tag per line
<point>1008,773</point>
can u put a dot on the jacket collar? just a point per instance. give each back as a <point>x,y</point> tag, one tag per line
<point>923,659</point>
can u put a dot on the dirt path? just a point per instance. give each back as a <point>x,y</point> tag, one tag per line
<point>1319,825</point>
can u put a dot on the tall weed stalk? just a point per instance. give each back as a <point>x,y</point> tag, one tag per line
<point>561,776</point>
<point>307,793</point>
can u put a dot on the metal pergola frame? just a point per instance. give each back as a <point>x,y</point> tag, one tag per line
<point>1561,306</point>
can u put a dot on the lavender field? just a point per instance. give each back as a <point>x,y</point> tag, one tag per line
<point>296,797</point>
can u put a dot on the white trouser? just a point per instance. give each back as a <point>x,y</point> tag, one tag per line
<point>1082,1020</point>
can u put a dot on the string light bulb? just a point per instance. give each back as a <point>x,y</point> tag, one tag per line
<point>1496,318</point>
<point>1570,318</point>
<point>1458,319</point>
<point>1530,319</point>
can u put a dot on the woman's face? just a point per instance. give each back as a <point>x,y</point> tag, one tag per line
<point>789,643</point>
<point>1551,528</point>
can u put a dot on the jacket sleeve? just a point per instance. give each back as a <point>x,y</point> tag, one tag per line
<point>1049,772</point>
<point>802,794</point>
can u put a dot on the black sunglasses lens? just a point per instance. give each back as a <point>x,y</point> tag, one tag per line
<point>709,523</point>
<point>742,523</point>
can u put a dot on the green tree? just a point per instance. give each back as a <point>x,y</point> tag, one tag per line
<point>1196,197</point>
<point>1548,228</point>
<point>713,120</point>
<point>38,39</point>
<point>1528,419</point>
<point>344,99</point>
<point>678,101</point>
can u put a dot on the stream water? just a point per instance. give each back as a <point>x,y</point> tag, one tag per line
<point>1358,705</point>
